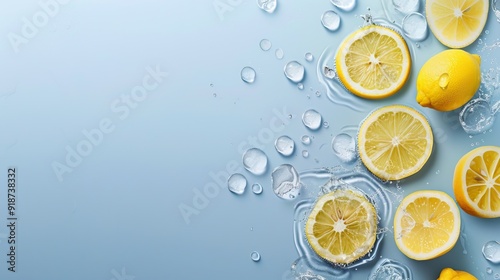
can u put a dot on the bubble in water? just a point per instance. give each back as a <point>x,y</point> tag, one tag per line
<point>415,26</point>
<point>255,161</point>
<point>328,72</point>
<point>311,119</point>
<point>406,6</point>
<point>255,256</point>
<point>476,116</point>
<point>248,74</point>
<point>345,5</point>
<point>300,86</point>
<point>305,153</point>
<point>489,270</point>
<point>237,183</point>
<point>294,71</point>
<point>284,145</point>
<point>387,269</point>
<point>344,147</point>
<point>257,188</point>
<point>309,57</point>
<point>306,140</point>
<point>330,20</point>
<point>491,251</point>
<point>265,44</point>
<point>279,54</point>
<point>285,181</point>
<point>267,5</point>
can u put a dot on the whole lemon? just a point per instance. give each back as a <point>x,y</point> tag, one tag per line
<point>450,274</point>
<point>448,80</point>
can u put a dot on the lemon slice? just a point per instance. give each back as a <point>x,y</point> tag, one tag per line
<point>456,24</point>
<point>476,182</point>
<point>342,226</point>
<point>426,225</point>
<point>395,142</point>
<point>373,62</point>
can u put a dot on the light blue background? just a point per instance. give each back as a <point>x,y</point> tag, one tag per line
<point>117,213</point>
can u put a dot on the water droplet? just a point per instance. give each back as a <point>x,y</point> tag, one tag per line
<point>480,41</point>
<point>290,116</point>
<point>255,161</point>
<point>279,54</point>
<point>285,181</point>
<point>406,6</point>
<point>486,32</point>
<point>255,256</point>
<point>294,71</point>
<point>267,5</point>
<point>497,275</point>
<point>345,5</point>
<point>489,270</point>
<point>326,124</point>
<point>390,269</point>
<point>438,171</point>
<point>318,94</point>
<point>211,85</point>
<point>476,116</point>
<point>311,119</point>
<point>257,188</point>
<point>215,94</point>
<point>329,72</point>
<point>491,251</point>
<point>305,153</point>
<point>444,79</point>
<point>344,147</point>
<point>265,44</point>
<point>306,140</point>
<point>417,45</point>
<point>248,74</point>
<point>300,86</point>
<point>237,183</point>
<point>284,145</point>
<point>309,57</point>
<point>415,26</point>
<point>330,20</point>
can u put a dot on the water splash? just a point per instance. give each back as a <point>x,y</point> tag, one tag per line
<point>387,269</point>
<point>312,119</point>
<point>302,269</point>
<point>267,5</point>
<point>346,5</point>
<point>255,256</point>
<point>265,44</point>
<point>477,116</point>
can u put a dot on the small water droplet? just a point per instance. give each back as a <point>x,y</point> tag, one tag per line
<point>444,79</point>
<point>489,270</point>
<point>406,6</point>
<point>328,72</point>
<point>330,20</point>
<point>300,86</point>
<point>279,54</point>
<point>318,94</point>
<point>326,124</point>
<point>248,74</point>
<point>285,182</point>
<point>312,119</point>
<point>255,161</point>
<point>267,5</point>
<point>309,57</point>
<point>345,5</point>
<point>255,256</point>
<point>257,188</point>
<point>294,71</point>
<point>306,140</point>
<point>305,153</point>
<point>265,44</point>
<point>486,32</point>
<point>284,145</point>
<point>389,269</point>
<point>237,183</point>
<point>344,147</point>
<point>415,26</point>
<point>491,251</point>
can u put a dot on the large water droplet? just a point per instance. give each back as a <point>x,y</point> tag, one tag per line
<point>330,20</point>
<point>267,5</point>
<point>415,26</point>
<point>265,44</point>
<point>279,54</point>
<point>406,6</point>
<point>294,71</point>
<point>255,256</point>
<point>237,183</point>
<point>344,147</point>
<point>257,188</point>
<point>284,145</point>
<point>255,161</point>
<point>387,269</point>
<point>491,251</point>
<point>476,116</point>
<point>345,5</point>
<point>285,181</point>
<point>444,79</point>
<point>489,270</point>
<point>312,119</point>
<point>248,74</point>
